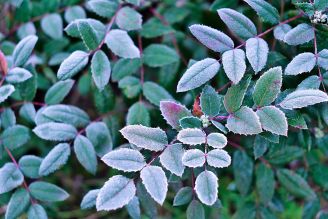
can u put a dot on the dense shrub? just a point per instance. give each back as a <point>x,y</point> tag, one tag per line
<point>152,104</point>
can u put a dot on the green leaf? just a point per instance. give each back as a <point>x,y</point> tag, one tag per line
<point>74,13</point>
<point>29,165</point>
<point>8,118</point>
<point>153,27</point>
<point>195,210</point>
<point>157,55</point>
<point>52,25</point>
<point>303,98</point>
<point>18,203</point>
<point>128,19</point>
<point>295,184</point>
<point>265,10</point>
<point>67,114</point>
<point>153,139</point>
<point>130,86</point>
<point>85,153</point>
<point>6,91</point>
<point>57,92</point>
<point>244,122</point>
<point>183,196</point>
<point>243,171</point>
<point>55,159</point>
<point>138,115</point>
<point>103,8</point>
<point>121,44</point>
<point>72,65</point>
<point>53,131</point>
<point>36,211</point>
<point>268,87</point>
<point>155,93</point>
<point>99,135</point>
<point>133,208</point>
<point>23,50</point>
<point>89,35</point>
<point>323,59</point>
<point>198,74</point>
<point>320,4</point>
<point>27,112</point>
<point>312,82</point>
<point>235,95</point>
<point>283,154</point>
<point>10,178</point>
<point>273,120</point>
<point>260,146</point>
<point>15,136</point>
<point>125,67</point>
<point>47,192</point>
<point>238,23</point>
<point>265,183</point>
<point>100,68</point>
<point>190,122</point>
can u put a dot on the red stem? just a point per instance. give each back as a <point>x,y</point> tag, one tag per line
<point>17,166</point>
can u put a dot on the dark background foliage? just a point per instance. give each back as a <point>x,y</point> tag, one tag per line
<point>241,187</point>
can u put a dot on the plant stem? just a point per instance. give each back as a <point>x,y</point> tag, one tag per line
<point>17,166</point>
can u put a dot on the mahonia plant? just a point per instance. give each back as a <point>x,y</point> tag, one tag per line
<point>177,129</point>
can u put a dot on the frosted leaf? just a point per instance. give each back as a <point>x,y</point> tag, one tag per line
<point>53,131</point>
<point>85,153</point>
<point>206,187</point>
<point>257,51</point>
<point>153,139</point>
<point>303,62</point>
<point>218,158</point>
<point>198,74</point>
<point>10,178</point>
<point>117,192</point>
<point>217,140</point>
<point>300,34</point>
<point>121,44</point>
<point>155,181</point>
<point>72,65</point>
<point>6,91</point>
<point>238,23</point>
<point>171,159</point>
<point>323,59</point>
<point>192,136</point>
<point>55,159</point>
<point>234,64</point>
<point>212,38</point>
<point>193,158</point>
<point>245,122</point>
<point>273,120</point>
<point>125,159</point>
<point>89,199</point>
<point>280,31</point>
<point>303,98</point>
